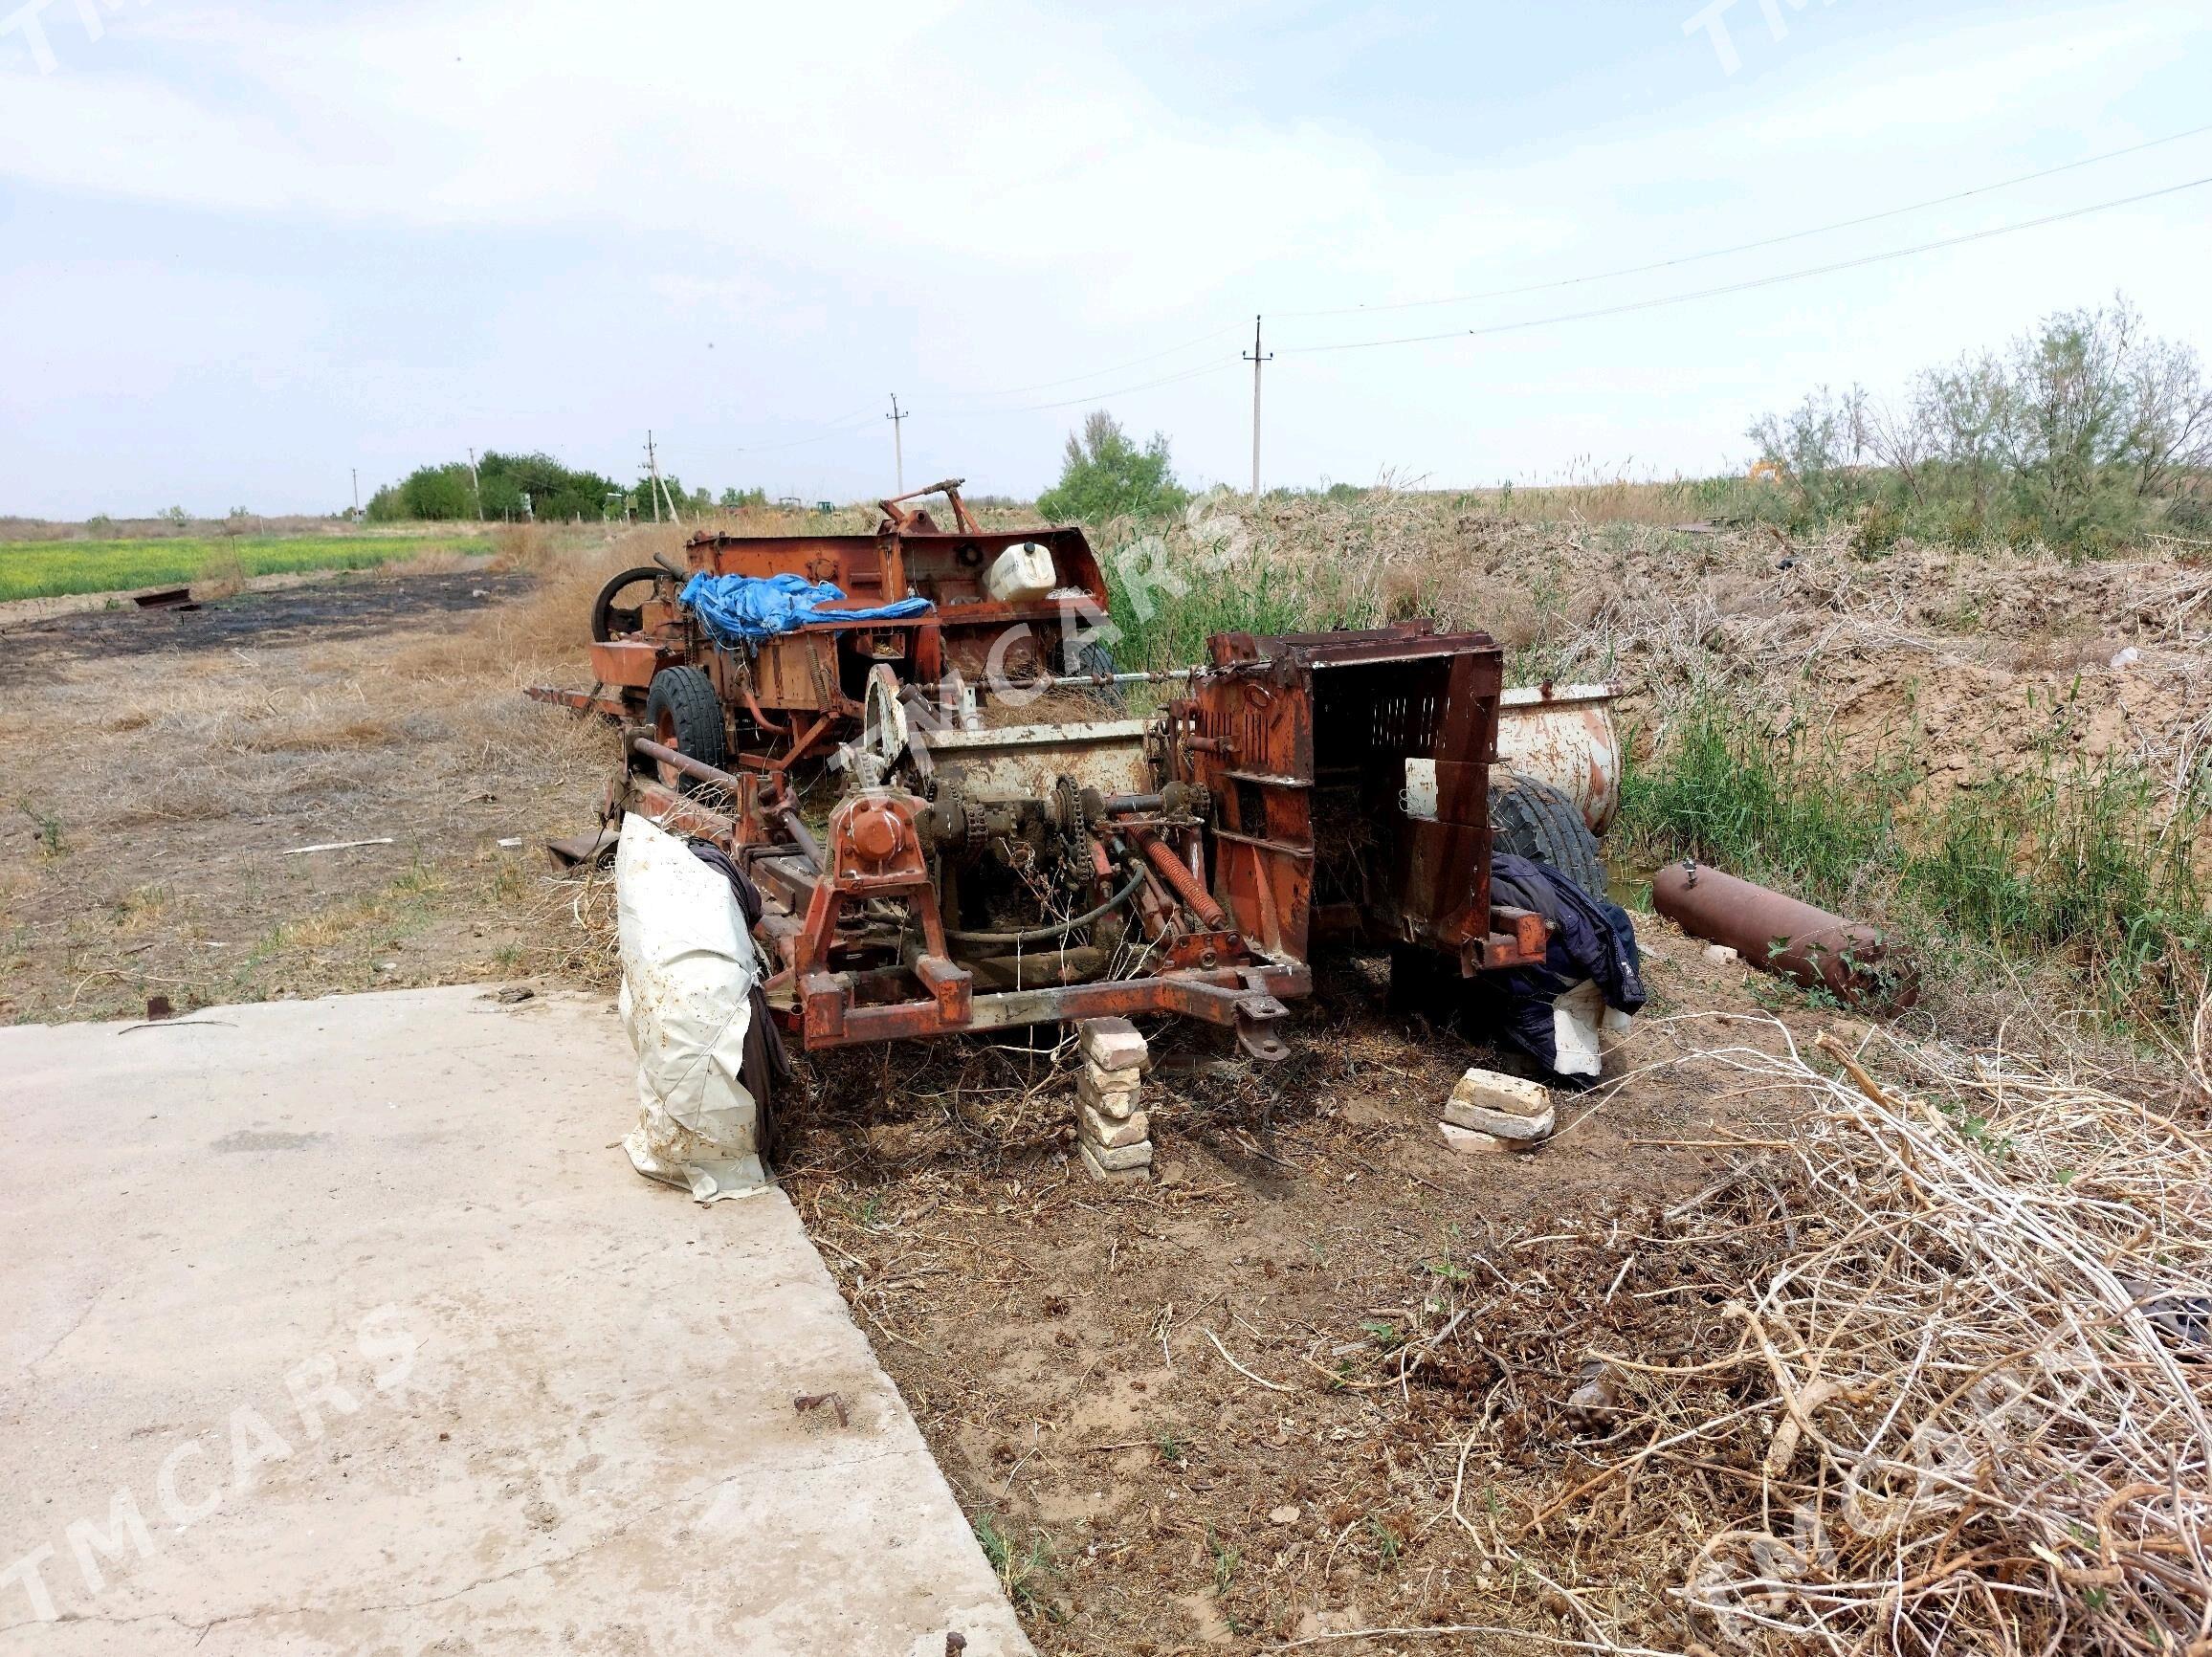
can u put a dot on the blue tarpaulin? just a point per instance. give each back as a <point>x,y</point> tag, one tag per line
<point>746,609</point>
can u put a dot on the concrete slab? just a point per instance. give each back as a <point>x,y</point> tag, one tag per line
<point>344,1326</point>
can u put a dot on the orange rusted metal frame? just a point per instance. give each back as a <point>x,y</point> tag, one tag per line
<point>1246,732</point>
<point>896,511</point>
<point>1223,997</point>
<point>582,701</point>
<point>819,1003</point>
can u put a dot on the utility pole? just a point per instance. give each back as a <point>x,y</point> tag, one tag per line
<point>1255,358</point>
<point>357,492</point>
<point>659,489</point>
<point>476,482</point>
<point>897,444</point>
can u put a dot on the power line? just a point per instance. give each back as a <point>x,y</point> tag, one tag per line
<point>847,424</point>
<point>1097,373</point>
<point>1757,281</point>
<point>1100,396</point>
<point>844,426</point>
<point>1764,242</point>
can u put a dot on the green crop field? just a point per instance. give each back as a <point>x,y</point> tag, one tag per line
<point>46,568</point>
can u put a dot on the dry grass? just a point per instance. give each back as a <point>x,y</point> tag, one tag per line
<point>1963,1404</point>
<point>223,575</point>
<point>1589,496</point>
<point>418,733</point>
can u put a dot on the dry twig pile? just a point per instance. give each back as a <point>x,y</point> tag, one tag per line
<point>1984,1370</point>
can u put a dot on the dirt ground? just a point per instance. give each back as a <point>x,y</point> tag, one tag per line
<point>1058,1341</point>
<point>1313,1380</point>
<point>166,765</point>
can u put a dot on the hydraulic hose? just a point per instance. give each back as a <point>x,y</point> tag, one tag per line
<point>1050,934</point>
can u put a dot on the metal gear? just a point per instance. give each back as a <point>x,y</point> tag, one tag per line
<point>1068,812</point>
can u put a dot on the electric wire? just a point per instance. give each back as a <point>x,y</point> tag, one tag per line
<point>1097,373</point>
<point>1747,247</point>
<point>841,427</point>
<point>1744,287</point>
<point>847,424</point>
<point>1095,397</point>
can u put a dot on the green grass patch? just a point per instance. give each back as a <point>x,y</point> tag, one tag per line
<point>1168,597</point>
<point>2095,870</point>
<point>1022,1571</point>
<point>49,568</point>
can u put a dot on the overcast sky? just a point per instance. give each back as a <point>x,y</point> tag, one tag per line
<point>245,248</point>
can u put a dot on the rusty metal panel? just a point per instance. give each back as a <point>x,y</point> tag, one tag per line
<point>1564,735</point>
<point>626,662</point>
<point>1246,734</point>
<point>796,671</point>
<point>1023,761</point>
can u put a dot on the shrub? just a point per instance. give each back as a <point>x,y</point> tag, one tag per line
<point>550,490</point>
<point>431,494</point>
<point>500,488</point>
<point>1105,475</point>
<point>2083,433</point>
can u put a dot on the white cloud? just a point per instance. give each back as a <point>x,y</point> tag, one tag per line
<point>985,195</point>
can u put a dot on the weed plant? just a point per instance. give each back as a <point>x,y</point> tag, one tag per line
<point>2095,870</point>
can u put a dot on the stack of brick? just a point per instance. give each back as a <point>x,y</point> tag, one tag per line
<point>1489,1112</point>
<point>1113,1136</point>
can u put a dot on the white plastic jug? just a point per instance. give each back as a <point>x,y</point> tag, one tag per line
<point>1021,574</point>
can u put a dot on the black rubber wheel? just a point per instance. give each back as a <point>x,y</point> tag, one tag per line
<point>1534,819</point>
<point>609,619</point>
<point>687,716</point>
<point>1096,661</point>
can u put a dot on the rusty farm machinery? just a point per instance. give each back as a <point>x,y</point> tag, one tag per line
<point>922,755</point>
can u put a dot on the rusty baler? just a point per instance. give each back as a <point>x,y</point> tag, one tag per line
<point>935,860</point>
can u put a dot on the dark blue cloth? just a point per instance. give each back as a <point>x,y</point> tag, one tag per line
<point>746,610</point>
<point>1594,939</point>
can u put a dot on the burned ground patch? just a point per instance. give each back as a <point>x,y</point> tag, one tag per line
<point>345,607</point>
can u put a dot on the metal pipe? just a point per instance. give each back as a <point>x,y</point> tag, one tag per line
<point>1129,805</point>
<point>803,837</point>
<point>1076,681</point>
<point>1178,876</point>
<point>1857,963</point>
<point>678,761</point>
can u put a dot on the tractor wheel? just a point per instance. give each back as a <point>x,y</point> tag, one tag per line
<point>609,619</point>
<point>1096,661</point>
<point>687,716</point>
<point>1534,819</point>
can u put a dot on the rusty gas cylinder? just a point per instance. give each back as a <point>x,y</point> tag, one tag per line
<point>1860,965</point>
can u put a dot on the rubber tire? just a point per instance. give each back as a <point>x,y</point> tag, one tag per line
<point>1096,658</point>
<point>693,712</point>
<point>1532,819</point>
<point>600,633</point>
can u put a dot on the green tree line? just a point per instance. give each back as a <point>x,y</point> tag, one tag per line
<point>505,488</point>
